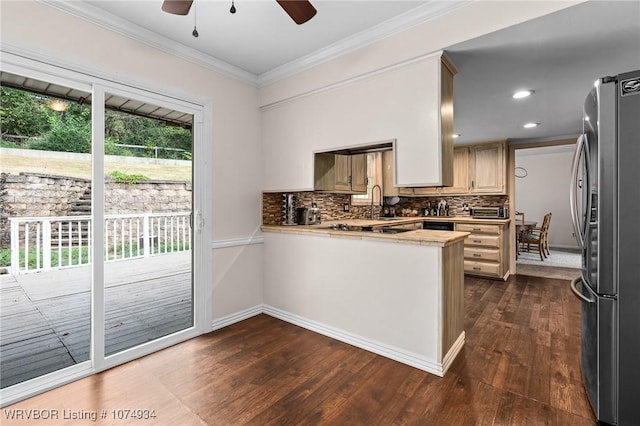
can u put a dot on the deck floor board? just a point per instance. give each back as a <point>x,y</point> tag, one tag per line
<point>45,318</point>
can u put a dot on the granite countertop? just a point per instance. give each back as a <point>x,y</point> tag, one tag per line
<point>417,236</point>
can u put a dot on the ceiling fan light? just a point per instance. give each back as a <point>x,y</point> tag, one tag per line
<point>522,94</point>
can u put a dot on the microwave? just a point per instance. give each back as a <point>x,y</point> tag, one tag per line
<point>489,212</point>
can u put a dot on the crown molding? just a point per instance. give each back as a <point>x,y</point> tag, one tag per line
<point>403,22</point>
<point>83,10</point>
<point>432,10</point>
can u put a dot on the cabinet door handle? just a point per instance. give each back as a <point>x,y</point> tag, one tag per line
<point>350,179</point>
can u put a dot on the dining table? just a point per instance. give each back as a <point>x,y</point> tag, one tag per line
<point>523,227</point>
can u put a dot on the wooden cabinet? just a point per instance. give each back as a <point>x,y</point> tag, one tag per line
<point>359,180</point>
<point>340,173</point>
<point>487,169</point>
<point>486,249</point>
<point>425,157</point>
<point>460,172</point>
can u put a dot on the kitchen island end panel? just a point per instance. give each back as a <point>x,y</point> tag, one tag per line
<point>403,301</point>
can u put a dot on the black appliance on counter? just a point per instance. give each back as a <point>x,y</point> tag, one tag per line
<point>438,226</point>
<point>605,200</point>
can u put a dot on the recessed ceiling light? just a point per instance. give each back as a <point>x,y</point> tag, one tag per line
<point>456,135</point>
<point>531,125</point>
<point>522,94</point>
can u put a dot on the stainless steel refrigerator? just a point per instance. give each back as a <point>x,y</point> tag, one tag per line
<point>605,205</point>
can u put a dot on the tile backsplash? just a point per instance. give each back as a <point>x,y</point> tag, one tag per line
<point>332,205</point>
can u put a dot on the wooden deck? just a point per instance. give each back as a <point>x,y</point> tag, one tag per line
<point>45,317</point>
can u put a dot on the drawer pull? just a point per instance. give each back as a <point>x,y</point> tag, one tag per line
<point>477,255</point>
<point>477,241</point>
<point>475,268</point>
<point>477,229</point>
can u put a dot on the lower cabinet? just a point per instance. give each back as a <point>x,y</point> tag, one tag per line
<point>486,249</point>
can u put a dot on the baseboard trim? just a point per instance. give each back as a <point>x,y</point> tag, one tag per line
<point>387,351</point>
<point>236,317</point>
<point>453,352</point>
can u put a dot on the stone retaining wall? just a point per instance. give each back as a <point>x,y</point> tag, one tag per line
<point>39,195</point>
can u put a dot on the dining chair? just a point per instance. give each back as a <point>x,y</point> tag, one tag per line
<point>521,215</point>
<point>538,237</point>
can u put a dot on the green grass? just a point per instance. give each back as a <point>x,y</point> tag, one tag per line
<point>83,254</point>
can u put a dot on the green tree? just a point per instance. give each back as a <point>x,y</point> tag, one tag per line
<point>23,113</point>
<point>70,132</point>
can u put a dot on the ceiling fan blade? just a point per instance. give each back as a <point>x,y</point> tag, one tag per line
<point>177,7</point>
<point>299,10</point>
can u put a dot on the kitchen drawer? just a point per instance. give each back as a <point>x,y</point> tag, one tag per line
<point>483,240</point>
<point>475,253</point>
<point>478,228</point>
<point>483,268</point>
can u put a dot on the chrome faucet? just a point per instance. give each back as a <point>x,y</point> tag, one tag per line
<point>372,197</point>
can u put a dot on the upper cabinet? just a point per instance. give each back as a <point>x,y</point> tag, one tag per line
<point>409,103</point>
<point>341,173</point>
<point>477,169</point>
<point>487,164</point>
<point>460,172</point>
<point>428,161</point>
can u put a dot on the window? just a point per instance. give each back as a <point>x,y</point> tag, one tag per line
<point>374,177</point>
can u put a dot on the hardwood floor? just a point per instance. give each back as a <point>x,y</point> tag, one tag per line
<point>519,366</point>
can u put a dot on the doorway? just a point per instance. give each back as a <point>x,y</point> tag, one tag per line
<point>112,270</point>
<point>540,176</point>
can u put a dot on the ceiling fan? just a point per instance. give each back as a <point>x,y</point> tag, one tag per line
<point>299,10</point>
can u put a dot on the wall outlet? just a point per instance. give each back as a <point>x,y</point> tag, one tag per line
<point>345,207</point>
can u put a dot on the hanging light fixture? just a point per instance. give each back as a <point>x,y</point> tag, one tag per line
<point>195,21</point>
<point>57,105</point>
<point>233,7</point>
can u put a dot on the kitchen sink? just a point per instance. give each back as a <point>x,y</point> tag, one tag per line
<point>380,230</point>
<point>391,230</point>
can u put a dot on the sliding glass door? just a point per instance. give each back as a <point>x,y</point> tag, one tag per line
<point>45,238</point>
<point>101,227</point>
<point>148,204</point>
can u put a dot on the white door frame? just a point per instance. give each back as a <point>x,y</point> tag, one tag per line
<point>46,70</point>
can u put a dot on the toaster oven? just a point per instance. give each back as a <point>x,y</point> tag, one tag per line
<point>489,212</point>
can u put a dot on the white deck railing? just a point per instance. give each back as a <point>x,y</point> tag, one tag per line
<point>48,243</point>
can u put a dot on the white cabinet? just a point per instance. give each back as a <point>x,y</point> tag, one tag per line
<point>426,159</point>
<point>406,104</point>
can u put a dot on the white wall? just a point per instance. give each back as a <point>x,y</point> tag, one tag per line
<point>236,160</point>
<point>359,98</point>
<point>400,104</point>
<point>546,189</point>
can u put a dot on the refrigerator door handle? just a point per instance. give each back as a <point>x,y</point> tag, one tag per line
<point>578,293</point>
<point>573,190</point>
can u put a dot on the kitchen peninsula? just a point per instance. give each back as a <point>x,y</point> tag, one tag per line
<point>399,295</point>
